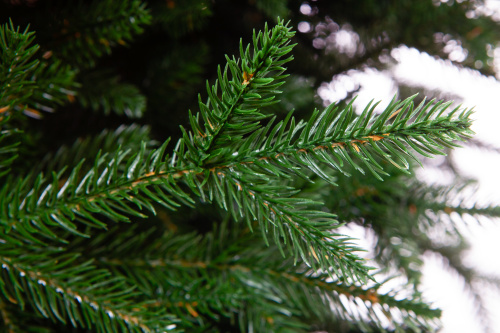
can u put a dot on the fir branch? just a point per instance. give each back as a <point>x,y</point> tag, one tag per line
<point>227,120</point>
<point>16,66</point>
<point>250,169</point>
<point>330,137</point>
<point>157,262</point>
<point>243,182</point>
<point>29,85</point>
<point>62,289</point>
<point>115,187</point>
<point>104,187</point>
<point>336,137</point>
<point>448,200</point>
<point>243,185</point>
<point>229,254</point>
<point>364,201</point>
<point>81,154</point>
<point>233,115</point>
<point>288,220</point>
<point>321,300</point>
<point>426,215</point>
<point>105,190</point>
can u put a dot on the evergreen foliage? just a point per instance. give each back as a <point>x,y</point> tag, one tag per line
<point>237,226</point>
<point>106,93</point>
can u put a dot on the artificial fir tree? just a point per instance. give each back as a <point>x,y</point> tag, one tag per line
<point>227,223</point>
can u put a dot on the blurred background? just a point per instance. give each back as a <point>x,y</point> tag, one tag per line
<point>362,49</point>
<point>441,58</point>
<point>446,66</point>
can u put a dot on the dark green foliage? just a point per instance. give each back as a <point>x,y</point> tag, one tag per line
<point>110,95</point>
<point>181,17</point>
<point>88,30</point>
<point>237,226</point>
<point>55,86</point>
<point>8,150</point>
<point>232,256</point>
<point>80,294</point>
<point>17,65</point>
<point>28,85</point>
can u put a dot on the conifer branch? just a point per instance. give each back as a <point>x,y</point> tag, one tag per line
<point>59,267</point>
<point>303,232</point>
<point>78,160</point>
<point>422,212</point>
<point>114,187</point>
<point>16,65</point>
<point>224,256</point>
<point>104,187</point>
<point>450,199</point>
<point>27,85</point>
<point>77,294</point>
<point>336,137</point>
<point>227,119</point>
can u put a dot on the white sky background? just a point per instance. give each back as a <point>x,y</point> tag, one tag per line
<point>483,94</point>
